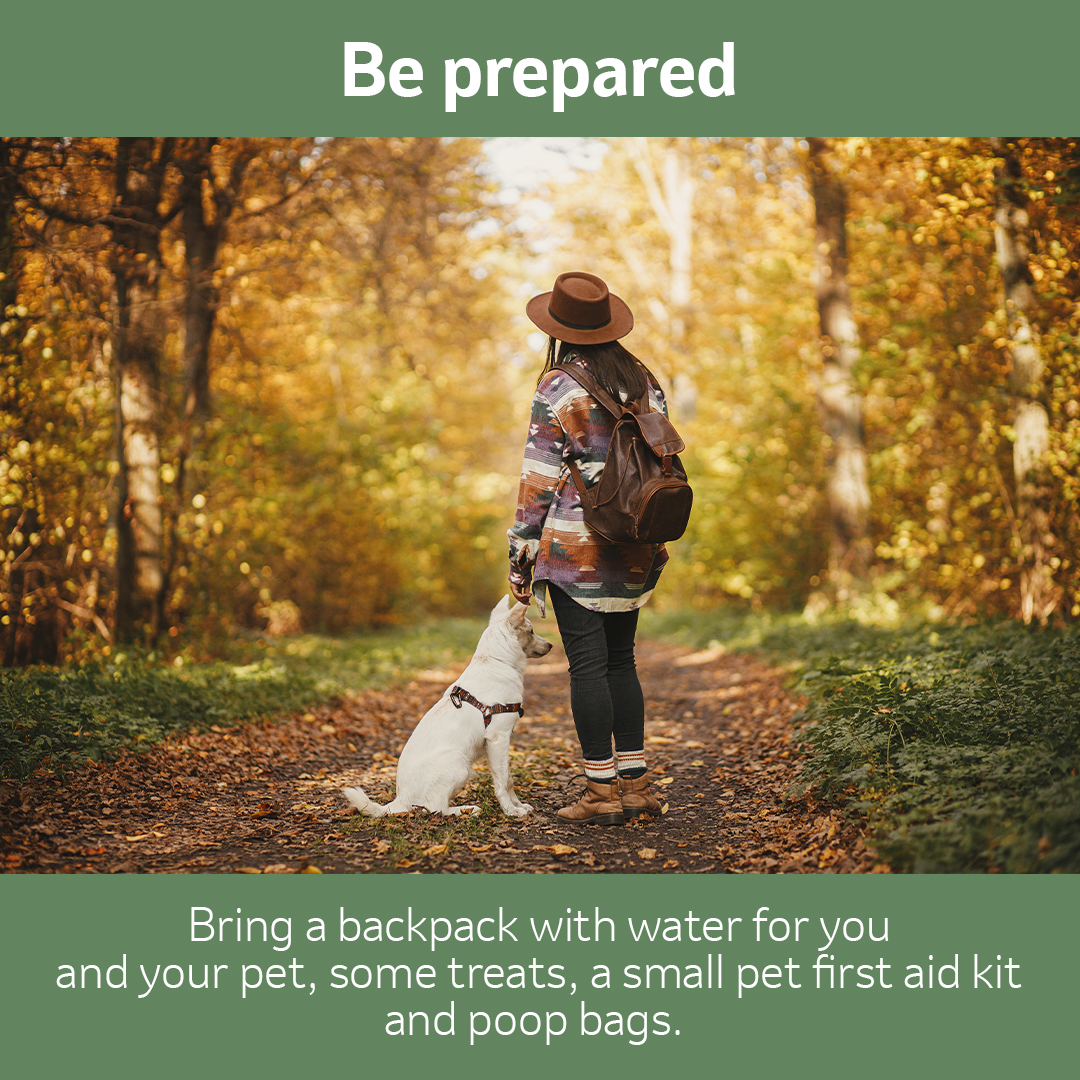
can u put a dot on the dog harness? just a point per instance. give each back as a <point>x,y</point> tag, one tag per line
<point>458,695</point>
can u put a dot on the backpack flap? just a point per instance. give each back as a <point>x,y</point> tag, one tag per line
<point>659,432</point>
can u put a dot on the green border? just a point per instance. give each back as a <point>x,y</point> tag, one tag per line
<point>769,1032</point>
<point>121,67</point>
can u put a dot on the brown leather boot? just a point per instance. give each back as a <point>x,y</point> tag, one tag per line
<point>637,798</point>
<point>599,805</point>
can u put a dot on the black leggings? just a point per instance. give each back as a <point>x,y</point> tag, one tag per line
<point>605,694</point>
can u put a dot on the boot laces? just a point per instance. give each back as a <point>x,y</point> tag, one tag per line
<point>578,776</point>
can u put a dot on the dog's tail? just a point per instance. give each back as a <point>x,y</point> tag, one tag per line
<point>362,803</point>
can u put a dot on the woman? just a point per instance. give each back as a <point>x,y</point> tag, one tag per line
<point>595,586</point>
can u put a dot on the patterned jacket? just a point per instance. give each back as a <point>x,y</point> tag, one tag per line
<point>549,541</point>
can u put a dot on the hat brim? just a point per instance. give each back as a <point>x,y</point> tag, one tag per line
<point>622,322</point>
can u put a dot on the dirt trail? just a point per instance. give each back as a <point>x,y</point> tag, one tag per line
<point>265,798</point>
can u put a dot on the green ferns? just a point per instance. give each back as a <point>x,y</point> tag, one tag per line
<point>55,718</point>
<point>960,746</point>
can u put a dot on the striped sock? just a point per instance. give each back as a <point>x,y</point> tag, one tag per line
<point>631,763</point>
<point>601,771</point>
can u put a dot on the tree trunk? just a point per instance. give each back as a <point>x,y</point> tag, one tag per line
<point>673,205</point>
<point>25,637</point>
<point>8,283</point>
<point>201,240</point>
<point>1031,422</point>
<point>838,396</point>
<point>203,234</point>
<point>138,344</point>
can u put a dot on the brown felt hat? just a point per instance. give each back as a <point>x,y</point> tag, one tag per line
<point>580,310</point>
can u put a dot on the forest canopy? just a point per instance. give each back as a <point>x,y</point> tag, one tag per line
<point>269,384</point>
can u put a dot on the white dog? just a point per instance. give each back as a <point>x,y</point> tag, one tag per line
<point>479,711</point>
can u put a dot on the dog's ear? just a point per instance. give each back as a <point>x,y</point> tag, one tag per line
<point>517,614</point>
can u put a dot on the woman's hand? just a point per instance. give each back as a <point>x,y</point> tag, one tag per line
<point>522,593</point>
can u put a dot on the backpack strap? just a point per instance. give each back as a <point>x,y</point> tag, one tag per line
<point>584,379</point>
<point>657,430</point>
<point>579,481</point>
<point>604,399</point>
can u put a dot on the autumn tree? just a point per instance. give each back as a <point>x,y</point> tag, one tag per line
<point>326,312</point>
<point>19,514</point>
<point>671,196</point>
<point>352,467</point>
<point>937,371</point>
<point>215,179</point>
<point>1031,422</point>
<point>56,438</point>
<point>838,394</point>
<point>135,221</point>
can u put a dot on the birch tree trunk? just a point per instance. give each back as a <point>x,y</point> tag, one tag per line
<point>673,204</point>
<point>838,396</point>
<point>138,342</point>
<point>1031,422</point>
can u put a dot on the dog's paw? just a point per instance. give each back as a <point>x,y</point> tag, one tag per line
<point>520,810</point>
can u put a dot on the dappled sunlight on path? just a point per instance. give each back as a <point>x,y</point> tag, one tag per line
<point>266,798</point>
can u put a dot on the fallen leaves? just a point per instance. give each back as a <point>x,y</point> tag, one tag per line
<point>265,797</point>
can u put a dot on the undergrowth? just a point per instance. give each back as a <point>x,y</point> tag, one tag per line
<point>55,718</point>
<point>960,746</point>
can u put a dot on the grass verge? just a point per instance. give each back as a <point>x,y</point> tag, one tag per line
<point>55,718</point>
<point>960,746</point>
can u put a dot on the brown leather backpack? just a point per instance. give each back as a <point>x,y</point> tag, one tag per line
<point>642,496</point>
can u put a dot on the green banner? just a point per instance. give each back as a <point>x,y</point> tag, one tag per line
<point>806,975</point>
<point>689,67</point>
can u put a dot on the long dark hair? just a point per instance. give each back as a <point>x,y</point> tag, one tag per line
<point>610,363</point>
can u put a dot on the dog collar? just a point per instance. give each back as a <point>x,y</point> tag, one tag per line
<point>458,695</point>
